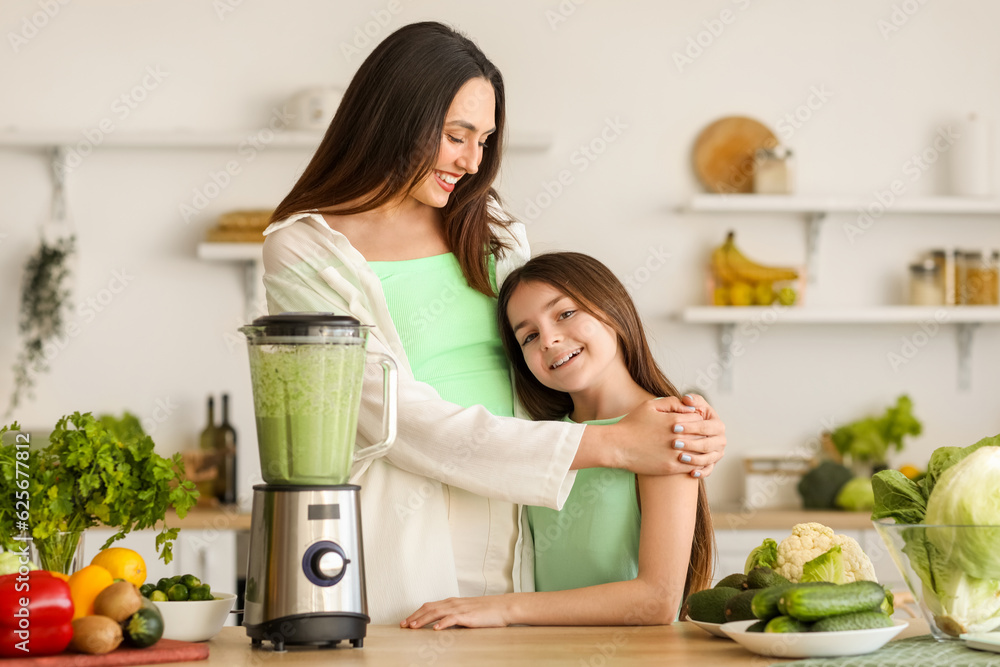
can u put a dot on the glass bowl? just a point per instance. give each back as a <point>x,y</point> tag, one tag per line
<point>953,573</point>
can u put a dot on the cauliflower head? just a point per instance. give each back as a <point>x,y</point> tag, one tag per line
<point>809,540</point>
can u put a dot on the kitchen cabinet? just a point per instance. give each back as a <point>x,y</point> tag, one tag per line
<point>815,209</point>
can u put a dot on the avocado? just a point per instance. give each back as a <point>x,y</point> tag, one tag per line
<point>709,606</point>
<point>764,577</point>
<point>738,607</point>
<point>737,581</point>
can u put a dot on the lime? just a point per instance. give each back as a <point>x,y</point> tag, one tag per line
<point>190,581</point>
<point>146,589</point>
<point>158,596</point>
<point>163,584</point>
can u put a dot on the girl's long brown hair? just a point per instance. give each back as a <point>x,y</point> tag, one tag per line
<point>596,290</point>
<point>384,139</point>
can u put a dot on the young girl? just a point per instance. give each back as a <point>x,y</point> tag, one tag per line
<point>625,549</point>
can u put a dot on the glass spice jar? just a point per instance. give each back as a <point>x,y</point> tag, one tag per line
<point>925,284</point>
<point>979,279</point>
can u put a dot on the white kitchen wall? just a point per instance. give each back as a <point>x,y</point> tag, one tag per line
<point>882,78</point>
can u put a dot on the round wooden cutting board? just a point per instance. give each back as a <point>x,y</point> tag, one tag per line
<point>724,153</point>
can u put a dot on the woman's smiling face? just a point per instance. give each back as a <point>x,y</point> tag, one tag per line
<point>564,347</point>
<point>468,124</point>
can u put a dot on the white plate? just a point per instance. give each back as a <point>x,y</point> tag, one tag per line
<point>711,628</point>
<point>811,644</point>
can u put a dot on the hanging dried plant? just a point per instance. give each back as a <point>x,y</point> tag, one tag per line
<point>44,294</point>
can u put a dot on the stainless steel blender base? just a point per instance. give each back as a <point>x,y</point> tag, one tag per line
<point>305,576</point>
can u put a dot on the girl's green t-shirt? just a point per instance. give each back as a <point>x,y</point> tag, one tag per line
<point>594,538</point>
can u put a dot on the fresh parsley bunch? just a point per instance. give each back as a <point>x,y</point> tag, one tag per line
<point>98,472</point>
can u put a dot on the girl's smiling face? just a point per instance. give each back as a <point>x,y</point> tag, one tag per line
<point>564,347</point>
<point>467,126</point>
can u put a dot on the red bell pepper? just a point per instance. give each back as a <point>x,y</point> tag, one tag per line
<point>36,613</point>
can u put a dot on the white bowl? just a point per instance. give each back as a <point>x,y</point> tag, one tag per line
<point>811,644</point>
<point>195,620</point>
<point>710,628</point>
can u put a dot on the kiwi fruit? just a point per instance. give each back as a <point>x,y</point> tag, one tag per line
<point>96,635</point>
<point>118,601</point>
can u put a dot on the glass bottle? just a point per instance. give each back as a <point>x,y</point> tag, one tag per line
<point>925,284</point>
<point>976,279</point>
<point>225,444</point>
<point>207,472</point>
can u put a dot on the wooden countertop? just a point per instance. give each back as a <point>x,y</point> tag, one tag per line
<point>678,644</point>
<point>725,518</point>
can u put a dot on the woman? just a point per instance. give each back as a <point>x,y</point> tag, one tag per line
<point>395,222</point>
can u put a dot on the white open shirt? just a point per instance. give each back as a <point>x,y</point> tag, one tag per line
<point>409,560</point>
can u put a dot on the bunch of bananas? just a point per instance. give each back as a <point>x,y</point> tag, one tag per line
<point>740,281</point>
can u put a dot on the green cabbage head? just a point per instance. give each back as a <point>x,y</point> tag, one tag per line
<point>968,494</point>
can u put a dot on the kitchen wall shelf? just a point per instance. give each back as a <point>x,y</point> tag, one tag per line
<point>966,319</point>
<point>815,208</point>
<point>205,139</point>
<point>249,255</point>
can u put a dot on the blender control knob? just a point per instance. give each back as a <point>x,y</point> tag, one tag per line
<point>330,564</point>
<point>325,563</point>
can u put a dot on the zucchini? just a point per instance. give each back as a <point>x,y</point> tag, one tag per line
<point>786,624</point>
<point>143,628</point>
<point>862,620</point>
<point>816,602</point>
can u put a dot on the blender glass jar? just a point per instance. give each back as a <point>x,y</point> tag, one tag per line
<point>307,370</point>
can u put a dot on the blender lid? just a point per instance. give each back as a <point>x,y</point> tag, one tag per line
<point>305,324</point>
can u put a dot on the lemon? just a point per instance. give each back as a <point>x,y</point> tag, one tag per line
<point>122,564</point>
<point>910,472</point>
<point>741,294</point>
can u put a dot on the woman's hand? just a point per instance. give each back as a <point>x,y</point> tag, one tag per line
<point>688,428</point>
<point>483,612</point>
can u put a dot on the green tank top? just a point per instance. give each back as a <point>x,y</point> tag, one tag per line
<point>448,330</point>
<point>594,538</point>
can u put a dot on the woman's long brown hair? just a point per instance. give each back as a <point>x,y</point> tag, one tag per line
<point>384,139</point>
<point>596,290</point>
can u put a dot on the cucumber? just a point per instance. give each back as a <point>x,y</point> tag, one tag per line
<point>765,603</point>
<point>862,620</point>
<point>757,627</point>
<point>816,602</point>
<point>786,624</point>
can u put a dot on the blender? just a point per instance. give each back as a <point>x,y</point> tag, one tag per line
<point>306,575</point>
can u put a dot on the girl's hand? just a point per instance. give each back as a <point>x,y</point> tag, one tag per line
<point>696,444</point>
<point>483,612</point>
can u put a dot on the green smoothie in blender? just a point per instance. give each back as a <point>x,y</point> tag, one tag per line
<point>306,400</point>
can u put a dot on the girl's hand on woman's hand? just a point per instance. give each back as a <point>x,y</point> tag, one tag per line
<point>696,444</point>
<point>482,612</point>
